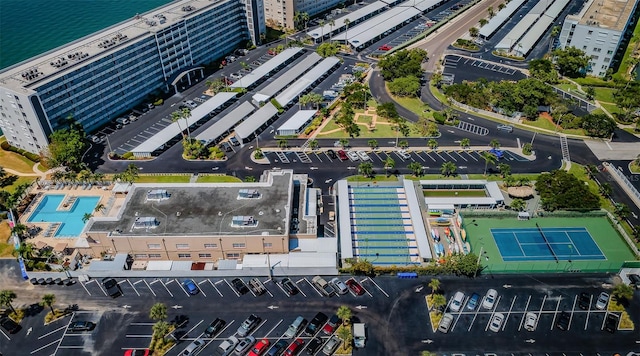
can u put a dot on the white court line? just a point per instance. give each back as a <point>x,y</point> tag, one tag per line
<point>216,288</point>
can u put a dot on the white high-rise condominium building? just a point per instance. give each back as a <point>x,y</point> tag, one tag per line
<point>598,30</point>
<point>101,76</point>
<point>282,12</point>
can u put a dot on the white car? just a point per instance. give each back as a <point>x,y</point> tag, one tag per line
<point>496,322</point>
<point>191,104</point>
<point>456,303</point>
<point>603,300</point>
<point>490,299</point>
<point>364,156</point>
<point>353,156</point>
<point>339,286</point>
<point>530,321</point>
<point>244,345</point>
<point>404,154</point>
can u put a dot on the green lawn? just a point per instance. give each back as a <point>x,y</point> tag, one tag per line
<point>567,86</point>
<point>548,125</point>
<point>15,161</point>
<point>20,180</point>
<point>629,51</point>
<point>605,94</point>
<point>579,171</point>
<point>454,193</point>
<point>163,179</point>
<point>381,131</point>
<point>611,108</point>
<point>218,179</point>
<point>366,119</point>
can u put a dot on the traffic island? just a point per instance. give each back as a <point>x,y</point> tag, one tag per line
<point>435,315</point>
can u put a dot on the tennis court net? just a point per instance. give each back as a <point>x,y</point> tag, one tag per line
<point>547,242</point>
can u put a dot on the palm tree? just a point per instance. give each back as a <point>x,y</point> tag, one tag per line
<point>305,19</point>
<point>389,164</point>
<point>6,298</point>
<point>432,143</point>
<point>473,32</point>
<point>321,23</point>
<point>504,169</point>
<point>176,116</point>
<point>488,158</point>
<point>99,177</point>
<point>25,250</point>
<point>366,169</point>
<point>282,143</point>
<point>331,23</point>
<point>344,313</point>
<point>86,217</point>
<point>372,143</point>
<point>346,31</point>
<point>491,11</point>
<point>313,144</point>
<point>186,114</point>
<point>494,144</point>
<point>48,300</point>
<point>345,334</point>
<point>518,204</point>
<point>160,329</point>
<point>465,143</point>
<point>483,22</point>
<point>416,168</point>
<point>434,285</point>
<point>296,20</point>
<point>448,168</point>
<point>501,6</point>
<point>158,312</point>
<point>19,230</point>
<point>344,142</point>
<point>439,301</point>
<point>99,207</point>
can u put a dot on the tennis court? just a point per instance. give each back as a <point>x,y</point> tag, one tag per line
<point>546,244</point>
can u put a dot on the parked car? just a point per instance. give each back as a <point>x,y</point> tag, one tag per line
<point>355,287</point>
<point>634,279</point>
<point>288,286</point>
<point>456,302</point>
<point>584,301</point>
<point>82,326</point>
<point>563,321</point>
<point>603,300</point>
<point>496,322</point>
<point>317,322</point>
<point>257,287</point>
<point>294,348</point>
<point>324,287</point>
<point>112,287</point>
<point>137,352</point>
<point>295,327</point>
<point>331,345</point>
<point>244,345</point>
<point>490,299</point>
<point>339,286</point>
<point>194,348</point>
<point>190,286</point>
<point>277,349</point>
<point>342,155</point>
<point>234,141</point>
<point>364,156</point>
<point>226,347</point>
<point>505,128</point>
<point>225,147</point>
<point>332,154</point>
<point>214,328</point>
<point>445,323</point>
<point>473,301</point>
<point>331,325</point>
<point>314,345</point>
<point>404,154</point>
<point>122,121</point>
<point>260,347</point>
<point>353,156</point>
<point>385,47</point>
<point>239,286</point>
<point>530,321</point>
<point>611,322</point>
<point>9,325</point>
<point>248,324</point>
<point>191,104</point>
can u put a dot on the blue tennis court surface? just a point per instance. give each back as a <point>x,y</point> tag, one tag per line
<point>529,244</point>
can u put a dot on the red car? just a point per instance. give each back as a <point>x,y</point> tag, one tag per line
<point>271,52</point>
<point>294,348</point>
<point>355,287</point>
<point>259,348</point>
<point>342,155</point>
<point>385,47</point>
<point>331,325</point>
<point>139,352</point>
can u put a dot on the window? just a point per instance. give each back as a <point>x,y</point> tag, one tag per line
<point>590,32</point>
<point>154,255</point>
<point>153,246</point>
<point>267,245</point>
<point>210,245</point>
<point>184,255</point>
<point>141,255</point>
<point>239,245</point>
<point>204,255</point>
<point>182,246</point>
<point>609,52</point>
<point>233,256</point>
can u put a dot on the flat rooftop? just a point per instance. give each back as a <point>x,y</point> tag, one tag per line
<point>612,14</point>
<point>205,209</point>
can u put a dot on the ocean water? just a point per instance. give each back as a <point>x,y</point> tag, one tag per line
<point>31,27</point>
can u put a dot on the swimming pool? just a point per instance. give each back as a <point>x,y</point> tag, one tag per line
<point>71,220</point>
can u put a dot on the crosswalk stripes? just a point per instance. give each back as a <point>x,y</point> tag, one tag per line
<point>304,158</point>
<point>282,157</point>
<point>564,146</point>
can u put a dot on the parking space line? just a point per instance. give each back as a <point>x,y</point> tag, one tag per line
<point>428,155</point>
<point>214,287</point>
<point>606,312</point>
<point>555,313</point>
<point>377,286</point>
<point>586,321</point>
<point>51,332</point>
<point>152,292</point>
<point>60,340</point>
<point>314,287</point>
<point>524,313</point>
<point>365,289</point>
<point>184,290</point>
<point>495,307</point>
<point>453,158</point>
<point>459,314</point>
<point>273,328</point>
<point>258,327</point>
<point>573,310</point>
<point>233,289</point>
<point>195,326</point>
<point>458,153</point>
<point>318,156</point>
<point>475,315</point>
<point>45,346</point>
<point>165,287</point>
<point>85,288</point>
<point>134,288</point>
<point>419,156</point>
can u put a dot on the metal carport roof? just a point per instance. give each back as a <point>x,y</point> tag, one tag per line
<point>226,123</point>
<point>287,77</point>
<point>370,23</point>
<point>500,18</point>
<point>425,4</point>
<point>419,230</point>
<point>253,122</point>
<point>511,39</point>
<point>266,68</point>
<point>384,24</point>
<point>533,35</point>
<point>303,83</point>
<point>173,129</point>
<point>298,119</point>
<point>352,16</point>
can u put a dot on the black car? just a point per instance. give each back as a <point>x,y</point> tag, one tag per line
<point>316,323</point>
<point>332,154</point>
<point>563,321</point>
<point>82,326</point>
<point>225,147</point>
<point>584,301</point>
<point>314,345</point>
<point>611,323</point>
<point>214,327</point>
<point>112,287</point>
<point>635,280</point>
<point>11,326</point>
<point>289,287</point>
<point>239,286</point>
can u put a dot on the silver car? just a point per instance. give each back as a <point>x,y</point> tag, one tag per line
<point>339,286</point>
<point>530,321</point>
<point>490,299</point>
<point>496,322</point>
<point>603,300</point>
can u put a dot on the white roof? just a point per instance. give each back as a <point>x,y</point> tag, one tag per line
<point>344,220</point>
<point>419,230</point>
<point>500,18</point>
<point>287,77</point>
<point>300,85</point>
<point>159,265</point>
<point>385,22</point>
<point>297,120</point>
<point>556,8</point>
<point>539,8</point>
<point>511,39</point>
<point>266,68</point>
<point>371,23</point>
<point>118,263</point>
<point>227,122</point>
<point>427,4</point>
<point>441,206</point>
<point>352,16</point>
<point>173,129</point>
<point>533,35</point>
<point>253,122</point>
<point>291,260</point>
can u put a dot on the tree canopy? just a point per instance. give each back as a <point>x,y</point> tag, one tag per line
<point>544,70</point>
<point>403,63</point>
<point>66,148</point>
<point>328,49</point>
<point>571,61</point>
<point>560,190</point>
<point>405,86</point>
<point>598,125</point>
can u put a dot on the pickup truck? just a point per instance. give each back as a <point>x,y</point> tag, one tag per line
<point>323,286</point>
<point>359,335</point>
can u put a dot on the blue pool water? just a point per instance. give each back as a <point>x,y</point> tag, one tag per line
<point>71,220</point>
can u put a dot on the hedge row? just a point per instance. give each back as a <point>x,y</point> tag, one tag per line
<point>31,156</point>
